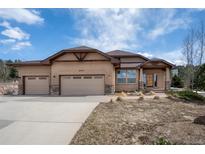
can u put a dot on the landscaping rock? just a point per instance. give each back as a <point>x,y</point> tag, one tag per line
<point>142,122</point>
<point>200,120</point>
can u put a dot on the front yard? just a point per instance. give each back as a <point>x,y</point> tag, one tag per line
<point>149,121</point>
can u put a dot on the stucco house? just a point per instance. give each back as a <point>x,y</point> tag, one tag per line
<point>88,71</point>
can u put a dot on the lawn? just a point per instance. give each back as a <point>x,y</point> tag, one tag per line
<point>149,121</point>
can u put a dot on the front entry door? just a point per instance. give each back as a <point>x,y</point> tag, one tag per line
<point>149,80</point>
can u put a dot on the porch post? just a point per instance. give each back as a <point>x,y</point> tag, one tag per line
<point>168,80</point>
<point>141,83</point>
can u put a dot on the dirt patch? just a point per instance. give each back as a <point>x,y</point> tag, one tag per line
<point>142,122</point>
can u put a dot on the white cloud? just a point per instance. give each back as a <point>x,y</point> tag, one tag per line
<point>5,24</point>
<point>166,22</point>
<point>15,33</point>
<point>22,15</point>
<point>174,56</point>
<point>7,41</point>
<point>128,29</point>
<point>21,45</point>
<point>108,29</point>
<point>146,54</point>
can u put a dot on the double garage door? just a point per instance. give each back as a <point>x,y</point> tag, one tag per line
<point>82,85</point>
<point>70,85</point>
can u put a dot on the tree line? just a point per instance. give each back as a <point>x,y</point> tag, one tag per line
<point>7,73</point>
<point>192,75</point>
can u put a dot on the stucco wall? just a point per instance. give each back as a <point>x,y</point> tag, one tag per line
<point>33,70</point>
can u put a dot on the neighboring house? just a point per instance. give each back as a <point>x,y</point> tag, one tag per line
<point>87,71</point>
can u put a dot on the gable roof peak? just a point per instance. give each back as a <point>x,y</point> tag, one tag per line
<point>83,47</point>
<point>120,53</point>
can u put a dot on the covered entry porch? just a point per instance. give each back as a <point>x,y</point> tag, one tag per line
<point>155,75</point>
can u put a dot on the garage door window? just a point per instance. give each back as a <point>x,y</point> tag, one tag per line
<point>76,77</point>
<point>31,78</point>
<point>87,77</point>
<point>42,78</point>
<point>98,77</point>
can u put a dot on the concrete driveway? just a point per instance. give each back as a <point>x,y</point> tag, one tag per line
<point>44,120</point>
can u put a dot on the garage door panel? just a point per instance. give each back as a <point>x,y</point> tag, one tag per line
<point>82,85</point>
<point>36,85</point>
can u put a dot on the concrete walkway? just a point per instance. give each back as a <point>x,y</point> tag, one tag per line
<point>44,120</point>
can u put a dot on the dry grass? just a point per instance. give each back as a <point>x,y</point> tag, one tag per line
<point>143,122</point>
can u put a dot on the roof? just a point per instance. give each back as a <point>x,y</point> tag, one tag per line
<point>112,56</point>
<point>129,65</point>
<point>27,63</point>
<point>157,60</point>
<point>121,53</point>
<point>80,49</point>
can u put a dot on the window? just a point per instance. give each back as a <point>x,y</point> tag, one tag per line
<point>31,78</point>
<point>121,76</point>
<point>42,78</point>
<point>155,80</point>
<point>87,77</point>
<point>98,77</point>
<point>145,80</point>
<point>131,76</point>
<point>77,77</point>
<point>126,76</point>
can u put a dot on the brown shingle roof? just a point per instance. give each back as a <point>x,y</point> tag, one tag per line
<point>119,53</point>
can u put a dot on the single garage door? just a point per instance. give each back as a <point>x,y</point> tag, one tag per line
<point>36,85</point>
<point>82,85</point>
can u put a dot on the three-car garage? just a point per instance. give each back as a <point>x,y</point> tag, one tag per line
<point>69,85</point>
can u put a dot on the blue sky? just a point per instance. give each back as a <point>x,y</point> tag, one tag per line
<point>33,34</point>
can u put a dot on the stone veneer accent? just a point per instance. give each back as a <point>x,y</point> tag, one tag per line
<point>20,89</point>
<point>141,85</point>
<point>167,85</point>
<point>54,89</point>
<point>109,89</point>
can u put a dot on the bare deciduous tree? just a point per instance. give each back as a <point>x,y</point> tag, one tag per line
<point>193,51</point>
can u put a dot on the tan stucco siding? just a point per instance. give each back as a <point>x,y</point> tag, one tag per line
<point>89,56</point>
<point>77,68</point>
<point>67,56</point>
<point>160,75</point>
<point>33,71</point>
<point>130,59</point>
<point>95,56</point>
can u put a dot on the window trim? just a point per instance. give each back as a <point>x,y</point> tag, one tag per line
<point>126,77</point>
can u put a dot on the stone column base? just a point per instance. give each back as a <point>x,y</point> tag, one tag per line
<point>20,89</point>
<point>54,89</point>
<point>141,85</point>
<point>167,85</point>
<point>109,89</point>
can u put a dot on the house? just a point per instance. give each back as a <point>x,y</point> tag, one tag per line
<point>88,71</point>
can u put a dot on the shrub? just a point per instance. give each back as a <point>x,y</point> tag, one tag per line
<point>162,141</point>
<point>190,95</point>
<point>177,82</point>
